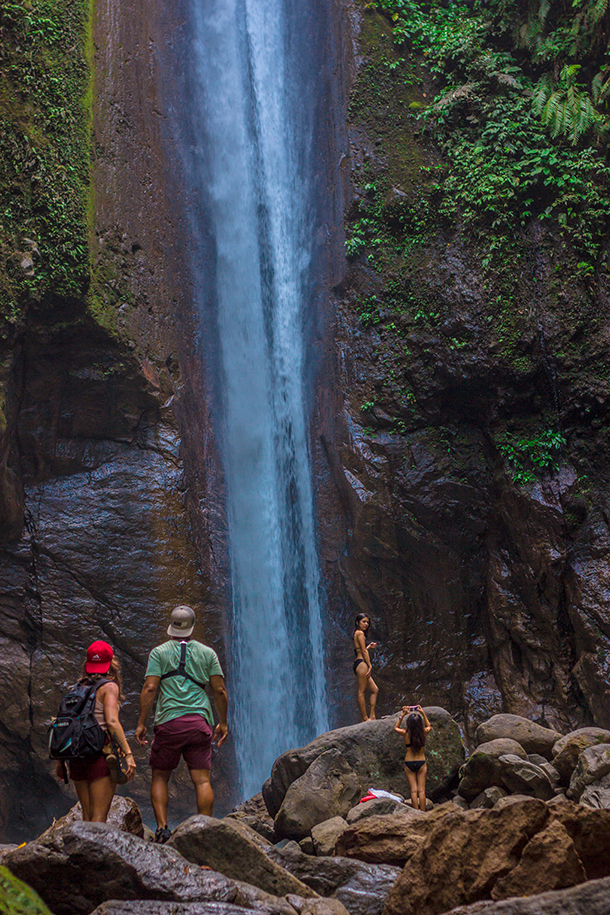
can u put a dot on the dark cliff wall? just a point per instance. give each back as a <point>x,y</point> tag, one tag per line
<point>468,440</point>
<point>104,468</point>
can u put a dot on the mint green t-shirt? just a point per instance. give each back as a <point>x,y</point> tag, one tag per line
<point>178,695</point>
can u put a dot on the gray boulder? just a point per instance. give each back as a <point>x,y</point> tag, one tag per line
<point>533,737</point>
<point>254,814</point>
<point>151,907</point>
<point>329,788</point>
<point>593,764</point>
<point>377,807</point>
<point>488,798</point>
<point>362,888</point>
<point>590,898</point>
<point>598,794</point>
<point>233,849</point>
<point>326,834</point>
<point>513,799</point>
<point>482,770</point>
<point>80,866</point>
<point>567,750</point>
<point>376,753</point>
<point>523,777</point>
<point>124,814</point>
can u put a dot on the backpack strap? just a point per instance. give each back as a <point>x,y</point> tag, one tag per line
<point>180,671</point>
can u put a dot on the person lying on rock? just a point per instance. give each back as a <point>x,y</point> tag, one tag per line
<point>363,667</point>
<point>92,775</point>
<point>179,670</point>
<point>415,760</point>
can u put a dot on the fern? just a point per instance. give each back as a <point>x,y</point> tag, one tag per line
<point>566,108</point>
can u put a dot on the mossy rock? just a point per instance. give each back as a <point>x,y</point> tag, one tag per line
<point>17,898</point>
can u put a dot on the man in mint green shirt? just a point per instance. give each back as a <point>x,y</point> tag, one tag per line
<point>178,671</point>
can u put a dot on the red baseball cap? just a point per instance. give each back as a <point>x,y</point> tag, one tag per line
<point>99,656</point>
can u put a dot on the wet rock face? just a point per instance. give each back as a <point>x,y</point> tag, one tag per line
<point>487,595</point>
<point>105,552</point>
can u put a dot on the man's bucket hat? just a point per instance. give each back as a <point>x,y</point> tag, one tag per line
<point>182,622</point>
<point>99,656</point>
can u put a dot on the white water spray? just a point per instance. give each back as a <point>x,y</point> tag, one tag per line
<point>256,166</point>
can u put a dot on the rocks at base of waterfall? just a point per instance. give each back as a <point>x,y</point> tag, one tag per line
<point>124,814</point>
<point>329,787</point>
<point>326,834</point>
<point>152,907</point>
<point>523,777</point>
<point>488,798</point>
<point>389,839</point>
<point>567,750</point>
<point>593,764</point>
<point>378,806</point>
<point>254,814</point>
<point>376,753</point>
<point>362,888</point>
<point>80,866</point>
<point>483,769</point>
<point>299,906</point>
<point>520,848</point>
<point>531,736</point>
<point>232,848</point>
<point>591,898</point>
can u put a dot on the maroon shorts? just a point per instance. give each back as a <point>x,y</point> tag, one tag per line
<point>88,770</point>
<point>189,736</point>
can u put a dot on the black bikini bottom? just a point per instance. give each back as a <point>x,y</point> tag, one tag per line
<point>357,662</point>
<point>415,764</point>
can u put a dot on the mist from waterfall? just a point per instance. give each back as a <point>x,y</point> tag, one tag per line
<point>255,159</point>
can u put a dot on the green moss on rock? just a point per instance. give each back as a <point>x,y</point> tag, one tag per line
<point>17,898</point>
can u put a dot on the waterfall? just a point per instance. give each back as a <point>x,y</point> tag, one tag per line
<point>255,162</point>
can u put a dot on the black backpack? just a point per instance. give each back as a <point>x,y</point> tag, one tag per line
<point>75,732</point>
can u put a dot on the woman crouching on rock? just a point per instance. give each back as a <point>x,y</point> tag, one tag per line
<point>415,760</point>
<point>363,667</point>
<point>92,776</point>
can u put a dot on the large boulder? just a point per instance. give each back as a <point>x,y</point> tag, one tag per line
<point>329,788</point>
<point>233,849</point>
<point>378,806</point>
<point>326,834</point>
<point>362,888</point>
<point>598,794</point>
<point>483,769</point>
<point>80,866</point>
<point>591,898</point>
<point>124,814</point>
<point>532,737</point>
<point>549,861</point>
<point>521,848</point>
<point>390,839</point>
<point>254,814</point>
<point>522,777</point>
<point>17,898</point>
<point>593,764</point>
<point>567,750</point>
<point>376,752</point>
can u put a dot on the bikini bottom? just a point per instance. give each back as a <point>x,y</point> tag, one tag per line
<point>356,663</point>
<point>415,764</point>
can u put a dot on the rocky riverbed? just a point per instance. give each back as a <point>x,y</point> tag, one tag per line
<point>520,826</point>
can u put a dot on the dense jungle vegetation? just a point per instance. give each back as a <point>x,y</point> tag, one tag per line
<point>521,113</point>
<point>45,140</point>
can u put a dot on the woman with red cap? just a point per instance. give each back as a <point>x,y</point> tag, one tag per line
<point>92,779</point>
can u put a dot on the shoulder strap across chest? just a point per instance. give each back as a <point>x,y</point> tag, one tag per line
<point>180,671</point>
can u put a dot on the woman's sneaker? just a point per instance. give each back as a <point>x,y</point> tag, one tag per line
<point>162,834</point>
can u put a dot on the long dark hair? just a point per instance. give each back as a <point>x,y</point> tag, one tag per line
<point>114,673</point>
<point>359,618</point>
<point>415,730</point>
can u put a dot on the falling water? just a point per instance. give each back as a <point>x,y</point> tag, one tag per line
<point>254,160</point>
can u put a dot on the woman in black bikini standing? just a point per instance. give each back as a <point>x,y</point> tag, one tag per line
<point>363,667</point>
<point>415,760</point>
